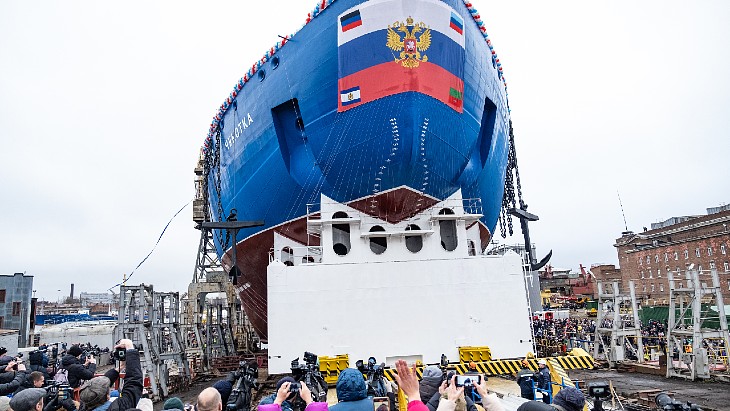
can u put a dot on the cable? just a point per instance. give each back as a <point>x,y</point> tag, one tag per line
<point>155,246</point>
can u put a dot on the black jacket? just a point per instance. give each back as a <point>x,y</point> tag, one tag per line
<point>10,387</point>
<point>525,379</point>
<point>77,371</point>
<point>133,383</point>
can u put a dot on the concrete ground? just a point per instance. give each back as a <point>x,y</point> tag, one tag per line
<point>714,395</point>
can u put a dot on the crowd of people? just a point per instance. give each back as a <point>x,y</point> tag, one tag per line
<point>71,385</point>
<point>558,336</point>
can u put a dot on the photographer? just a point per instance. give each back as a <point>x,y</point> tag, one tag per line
<point>76,371</point>
<point>285,391</point>
<point>36,363</point>
<point>95,393</point>
<point>285,404</point>
<point>12,379</point>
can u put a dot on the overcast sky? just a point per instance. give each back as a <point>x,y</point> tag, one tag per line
<point>104,106</point>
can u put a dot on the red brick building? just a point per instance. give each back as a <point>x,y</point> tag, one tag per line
<point>675,245</point>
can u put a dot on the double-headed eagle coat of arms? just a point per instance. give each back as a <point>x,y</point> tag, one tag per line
<point>412,44</point>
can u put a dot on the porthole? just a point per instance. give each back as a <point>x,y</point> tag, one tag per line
<point>378,245</point>
<point>340,235</point>
<point>287,256</point>
<point>275,62</point>
<point>262,75</point>
<point>447,229</point>
<point>414,243</point>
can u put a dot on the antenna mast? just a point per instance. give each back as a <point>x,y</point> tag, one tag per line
<point>626,226</point>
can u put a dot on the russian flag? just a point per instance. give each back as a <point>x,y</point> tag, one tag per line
<point>350,20</point>
<point>456,23</point>
<point>373,63</point>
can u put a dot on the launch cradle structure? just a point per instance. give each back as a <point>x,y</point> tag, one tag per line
<point>152,321</point>
<point>688,333</point>
<point>614,339</point>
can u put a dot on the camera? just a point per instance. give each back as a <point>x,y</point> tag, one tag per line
<point>308,373</point>
<point>59,390</point>
<point>120,354</point>
<point>294,388</point>
<point>667,403</point>
<point>244,381</point>
<point>599,389</point>
<point>468,379</point>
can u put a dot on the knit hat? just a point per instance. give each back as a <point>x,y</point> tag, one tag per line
<point>283,380</point>
<point>525,363</point>
<point>432,371</point>
<point>173,403</point>
<point>27,399</point>
<point>74,351</point>
<point>570,398</point>
<point>224,388</point>
<point>5,403</point>
<point>94,392</point>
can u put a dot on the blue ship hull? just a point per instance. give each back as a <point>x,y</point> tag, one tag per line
<point>283,143</point>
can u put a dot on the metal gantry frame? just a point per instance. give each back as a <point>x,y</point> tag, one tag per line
<point>152,320</point>
<point>686,331</point>
<point>614,339</point>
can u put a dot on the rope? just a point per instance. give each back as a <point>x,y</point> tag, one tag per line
<point>153,248</point>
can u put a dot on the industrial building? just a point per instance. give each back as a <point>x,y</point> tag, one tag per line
<point>17,306</point>
<point>675,245</point>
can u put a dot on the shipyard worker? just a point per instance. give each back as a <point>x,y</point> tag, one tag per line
<point>95,393</point>
<point>209,400</point>
<point>78,372</point>
<point>352,392</point>
<point>10,380</point>
<point>525,379</point>
<point>284,393</point>
<point>543,380</point>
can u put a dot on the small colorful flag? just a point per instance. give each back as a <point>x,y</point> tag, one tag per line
<point>457,23</point>
<point>350,20</point>
<point>350,96</point>
<point>455,97</point>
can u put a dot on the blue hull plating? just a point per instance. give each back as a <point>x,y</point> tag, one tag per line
<point>283,142</point>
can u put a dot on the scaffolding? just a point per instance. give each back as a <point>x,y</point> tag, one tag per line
<point>152,321</point>
<point>614,336</point>
<point>697,347</point>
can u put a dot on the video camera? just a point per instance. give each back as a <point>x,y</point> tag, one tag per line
<point>120,354</point>
<point>59,390</point>
<point>308,373</point>
<point>667,403</point>
<point>245,379</point>
<point>374,376</point>
<point>599,389</point>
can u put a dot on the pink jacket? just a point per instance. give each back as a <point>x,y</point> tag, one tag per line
<point>314,406</point>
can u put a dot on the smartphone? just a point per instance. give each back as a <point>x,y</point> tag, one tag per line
<point>468,379</point>
<point>381,404</point>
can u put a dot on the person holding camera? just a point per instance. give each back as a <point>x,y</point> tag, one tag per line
<point>286,403</point>
<point>95,393</point>
<point>288,390</point>
<point>76,371</point>
<point>13,377</point>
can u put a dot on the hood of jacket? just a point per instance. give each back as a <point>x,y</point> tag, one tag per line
<point>351,385</point>
<point>428,387</point>
<point>68,360</point>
